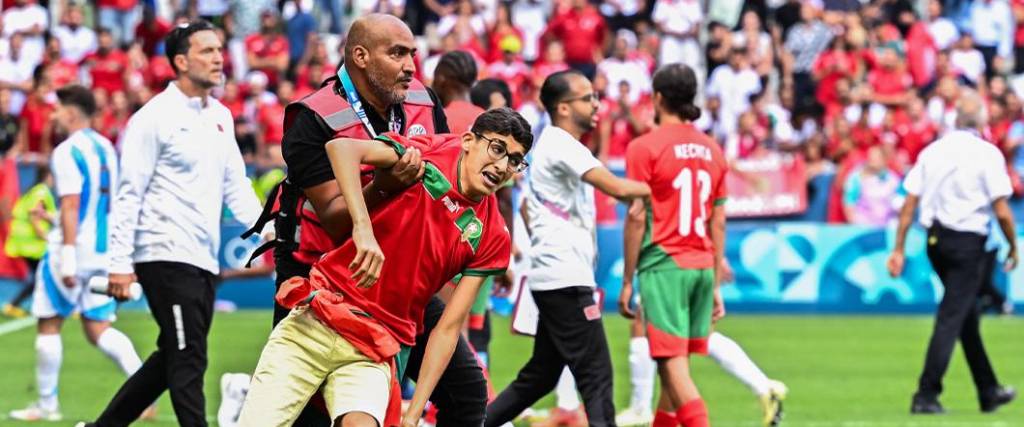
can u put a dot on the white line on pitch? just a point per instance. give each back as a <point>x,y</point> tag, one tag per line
<point>16,325</point>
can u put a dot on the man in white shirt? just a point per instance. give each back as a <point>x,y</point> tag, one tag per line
<point>959,182</point>
<point>560,217</point>
<point>76,40</point>
<point>83,166</point>
<point>16,74</point>
<point>31,20</point>
<point>180,166</point>
<point>942,29</point>
<point>991,22</point>
<point>620,68</point>
<point>679,21</point>
<point>733,85</point>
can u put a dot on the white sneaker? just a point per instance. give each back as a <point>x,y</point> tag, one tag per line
<point>634,416</point>
<point>233,388</point>
<point>36,413</point>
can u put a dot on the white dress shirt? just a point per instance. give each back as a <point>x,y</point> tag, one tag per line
<point>957,178</point>
<point>20,19</point>
<point>75,43</point>
<point>992,25</point>
<point>561,212</point>
<point>180,165</point>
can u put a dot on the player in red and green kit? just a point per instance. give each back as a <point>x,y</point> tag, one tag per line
<point>356,314</point>
<point>676,242</point>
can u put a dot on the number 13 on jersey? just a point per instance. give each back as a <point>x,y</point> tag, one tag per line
<point>693,219</point>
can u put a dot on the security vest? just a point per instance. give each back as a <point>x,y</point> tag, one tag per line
<point>22,242</point>
<point>297,228</point>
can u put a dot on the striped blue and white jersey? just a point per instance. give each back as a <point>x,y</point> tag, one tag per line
<point>85,164</point>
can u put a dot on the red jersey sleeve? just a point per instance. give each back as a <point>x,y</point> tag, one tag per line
<point>721,193</point>
<point>495,250</point>
<point>638,161</point>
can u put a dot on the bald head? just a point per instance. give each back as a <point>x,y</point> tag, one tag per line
<point>376,30</point>
<point>380,57</point>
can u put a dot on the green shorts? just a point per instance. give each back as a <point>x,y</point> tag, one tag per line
<point>677,306</point>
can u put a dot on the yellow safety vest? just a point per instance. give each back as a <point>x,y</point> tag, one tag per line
<point>22,240</point>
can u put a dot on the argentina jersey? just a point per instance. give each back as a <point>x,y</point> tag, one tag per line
<point>85,165</point>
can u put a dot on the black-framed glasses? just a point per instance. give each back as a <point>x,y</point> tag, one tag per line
<point>497,150</point>
<point>589,98</point>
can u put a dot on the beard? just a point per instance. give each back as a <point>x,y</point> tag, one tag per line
<point>383,89</point>
<point>584,122</point>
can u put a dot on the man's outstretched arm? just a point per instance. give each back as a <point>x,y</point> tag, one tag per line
<point>441,344</point>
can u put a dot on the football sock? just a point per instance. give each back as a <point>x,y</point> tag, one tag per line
<point>731,357</point>
<point>642,370</point>
<point>118,348</point>
<point>693,414</point>
<point>49,352</point>
<point>664,419</point>
<point>565,391</point>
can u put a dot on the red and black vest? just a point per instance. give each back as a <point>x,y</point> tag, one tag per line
<point>297,227</point>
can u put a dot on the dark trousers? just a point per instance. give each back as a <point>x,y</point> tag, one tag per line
<point>989,53</point>
<point>180,298</point>
<point>461,393</point>
<point>956,257</point>
<point>565,336</point>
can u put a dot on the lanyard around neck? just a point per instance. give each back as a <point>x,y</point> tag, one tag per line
<point>357,105</point>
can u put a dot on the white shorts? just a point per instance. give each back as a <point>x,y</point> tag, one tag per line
<point>52,299</point>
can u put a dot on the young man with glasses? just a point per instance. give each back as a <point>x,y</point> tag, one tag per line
<point>561,220</point>
<point>356,317</point>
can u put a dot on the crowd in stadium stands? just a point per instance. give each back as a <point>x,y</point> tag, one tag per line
<point>854,88</point>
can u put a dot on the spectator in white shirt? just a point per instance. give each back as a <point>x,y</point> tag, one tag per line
<point>992,25</point>
<point>16,74</point>
<point>177,176</point>
<point>621,68</point>
<point>733,84</point>
<point>942,30</point>
<point>31,20</point>
<point>76,40</point>
<point>679,22</point>
<point>967,61</point>
<point>530,17</point>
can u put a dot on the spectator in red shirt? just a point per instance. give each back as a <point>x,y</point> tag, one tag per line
<point>584,33</point>
<point>552,62</point>
<point>835,64</point>
<point>891,83</point>
<point>916,133</point>
<point>119,16</point>
<point>501,29</point>
<point>35,139</point>
<point>113,118</point>
<point>268,50</point>
<point>622,122</point>
<point>921,54</point>
<point>62,71</point>
<point>454,76</point>
<point>108,66</point>
<point>511,69</point>
<point>158,72</point>
<point>151,31</point>
<point>270,119</point>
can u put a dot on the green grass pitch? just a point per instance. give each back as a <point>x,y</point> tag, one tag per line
<point>841,370</point>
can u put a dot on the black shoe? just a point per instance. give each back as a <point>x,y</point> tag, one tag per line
<point>997,397</point>
<point>926,405</point>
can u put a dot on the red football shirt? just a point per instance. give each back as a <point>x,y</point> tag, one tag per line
<point>108,70</point>
<point>686,171</point>
<point>581,31</point>
<point>271,119</point>
<point>63,73</point>
<point>461,115</point>
<point>429,234</point>
<point>152,36</point>
<point>36,116</point>
<point>267,47</point>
